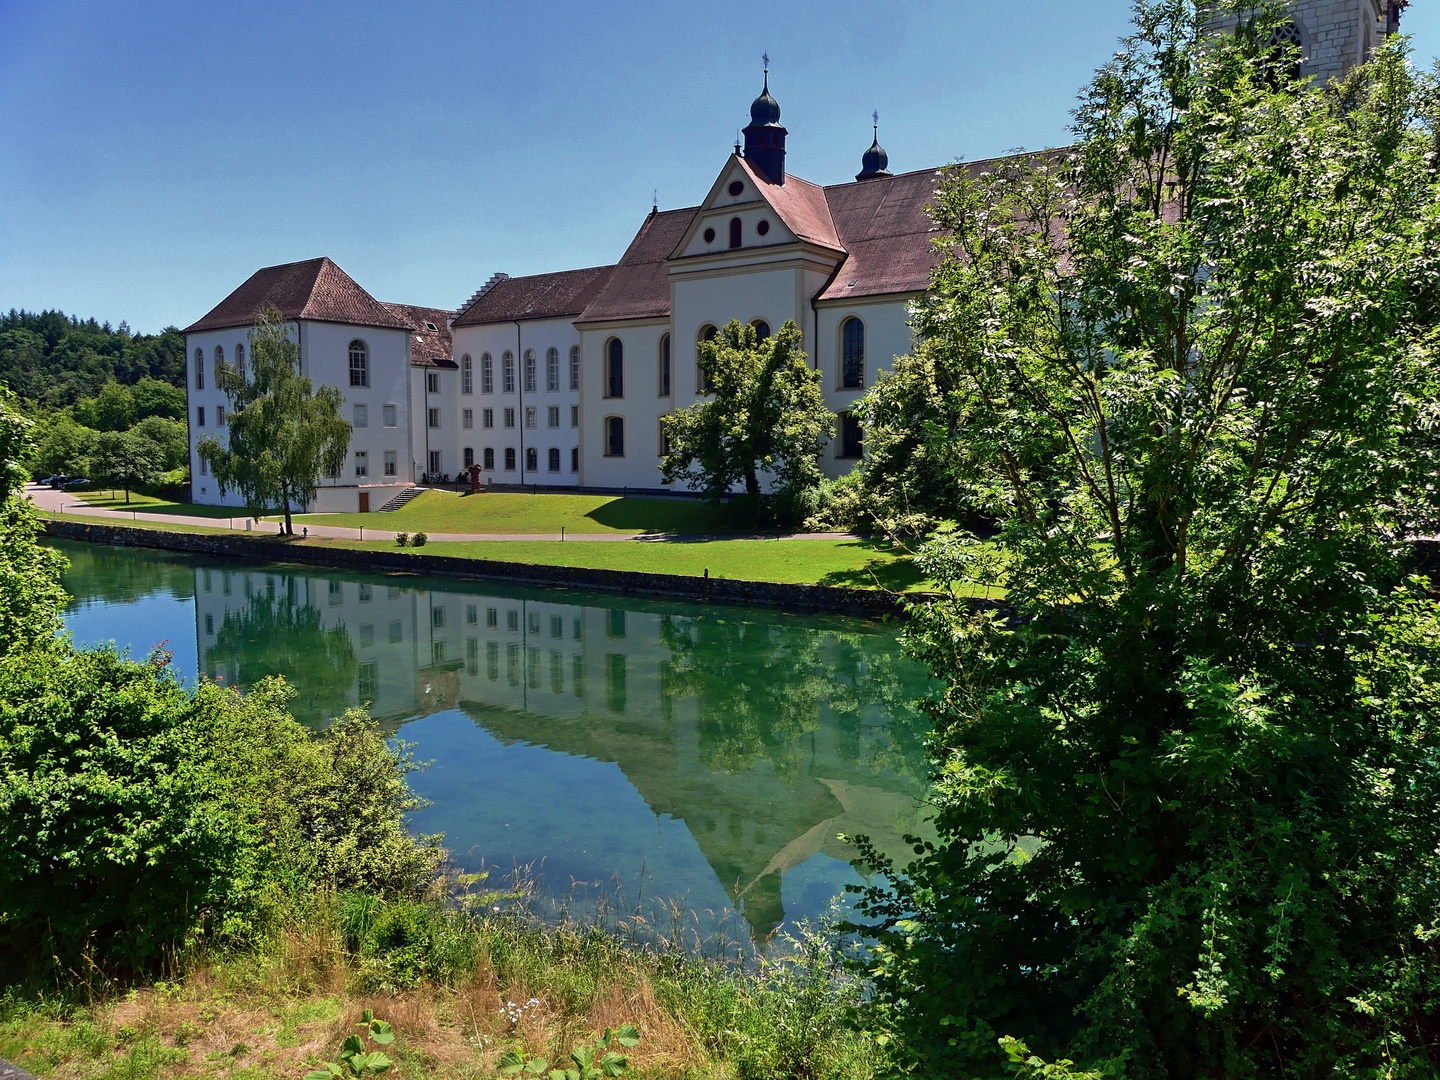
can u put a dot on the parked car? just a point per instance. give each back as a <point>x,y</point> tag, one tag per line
<point>75,483</point>
<point>44,481</point>
<point>58,482</point>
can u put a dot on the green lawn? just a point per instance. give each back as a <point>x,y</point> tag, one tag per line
<point>120,521</point>
<point>514,512</point>
<point>854,563</point>
<point>150,505</point>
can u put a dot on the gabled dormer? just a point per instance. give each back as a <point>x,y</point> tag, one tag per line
<point>744,211</point>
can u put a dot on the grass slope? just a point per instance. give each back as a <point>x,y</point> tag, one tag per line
<point>514,512</point>
<point>149,504</point>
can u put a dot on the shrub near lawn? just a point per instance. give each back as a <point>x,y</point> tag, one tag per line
<point>138,816</point>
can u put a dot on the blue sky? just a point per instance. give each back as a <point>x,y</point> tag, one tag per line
<point>154,154</point>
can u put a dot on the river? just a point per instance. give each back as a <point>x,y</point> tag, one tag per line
<point>706,754</point>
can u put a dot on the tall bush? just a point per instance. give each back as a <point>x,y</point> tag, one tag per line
<point>1187,794</point>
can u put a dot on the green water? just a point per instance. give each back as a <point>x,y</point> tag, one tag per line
<point>702,753</point>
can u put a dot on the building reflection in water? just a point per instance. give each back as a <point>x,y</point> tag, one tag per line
<point>766,735</point>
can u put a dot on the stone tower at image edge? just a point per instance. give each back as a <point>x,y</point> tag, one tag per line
<point>1334,35</point>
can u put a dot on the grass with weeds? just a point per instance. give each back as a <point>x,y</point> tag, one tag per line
<point>150,504</point>
<point>459,990</point>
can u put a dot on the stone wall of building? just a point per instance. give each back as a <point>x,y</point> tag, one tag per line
<point>1335,35</point>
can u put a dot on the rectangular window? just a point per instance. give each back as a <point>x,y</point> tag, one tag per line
<point>664,439</point>
<point>487,418</point>
<point>553,459</point>
<point>367,635</point>
<point>852,437</point>
<point>437,652</point>
<point>437,616</point>
<point>575,459</point>
<point>492,660</point>
<point>615,622</point>
<point>209,623</point>
<point>389,462</point>
<point>492,618</point>
<point>435,462</point>
<point>204,467</point>
<point>362,416</point>
<point>336,592</point>
<point>389,416</point>
<point>575,367</point>
<point>507,384</point>
<point>530,416</point>
<point>369,682</point>
<point>434,418</point>
<point>219,415</point>
<point>467,418</point>
<point>574,416</point>
<point>557,627</point>
<point>467,377</point>
<point>472,657</point>
<point>397,632</point>
<point>362,463</point>
<point>552,370</point>
<point>367,593</point>
<point>512,664</point>
<point>512,621</point>
<point>200,416</point>
<point>472,615</point>
<point>510,416</point>
<point>615,682</point>
<point>614,436</point>
<point>487,375</point>
<point>488,457</point>
<point>432,381</point>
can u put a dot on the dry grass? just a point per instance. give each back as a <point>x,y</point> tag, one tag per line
<point>281,1017</point>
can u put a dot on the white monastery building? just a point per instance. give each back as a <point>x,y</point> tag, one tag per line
<point>560,380</point>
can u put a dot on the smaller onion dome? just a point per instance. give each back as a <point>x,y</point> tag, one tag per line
<point>765,109</point>
<point>876,162</point>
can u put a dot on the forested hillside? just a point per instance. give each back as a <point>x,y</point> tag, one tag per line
<point>54,359</point>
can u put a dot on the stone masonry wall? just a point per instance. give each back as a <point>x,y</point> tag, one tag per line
<point>1336,34</point>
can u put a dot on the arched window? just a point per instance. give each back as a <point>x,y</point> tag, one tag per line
<point>510,459</point>
<point>530,371</point>
<point>665,365</point>
<point>852,354</point>
<point>469,457</point>
<point>614,436</point>
<point>1283,54</point>
<point>703,383</point>
<point>552,459</point>
<point>762,329</point>
<point>467,375</point>
<point>614,368</point>
<point>359,364</point>
<point>199,369</point>
<point>487,374</point>
<point>240,359</point>
<point>735,232</point>
<point>574,367</point>
<point>532,459</point>
<point>552,369</point>
<point>219,356</point>
<point>487,458</point>
<point>507,376</point>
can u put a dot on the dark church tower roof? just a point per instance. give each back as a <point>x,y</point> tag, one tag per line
<point>765,138</point>
<point>876,162</point>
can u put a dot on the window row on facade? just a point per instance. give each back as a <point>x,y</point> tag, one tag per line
<point>530,372</point>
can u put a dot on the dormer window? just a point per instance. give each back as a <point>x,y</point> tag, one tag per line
<point>432,327</point>
<point>735,232</point>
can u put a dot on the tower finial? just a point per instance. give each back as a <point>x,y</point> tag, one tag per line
<point>875,116</point>
<point>876,162</point>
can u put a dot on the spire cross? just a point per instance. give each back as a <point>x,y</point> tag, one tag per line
<point>765,56</point>
<point>876,117</point>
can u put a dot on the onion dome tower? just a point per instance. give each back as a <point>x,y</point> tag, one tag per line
<point>765,138</point>
<point>875,163</point>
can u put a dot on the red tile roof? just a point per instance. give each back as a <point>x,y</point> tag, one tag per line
<point>538,296</point>
<point>428,348</point>
<point>800,204</point>
<point>639,288</point>
<point>315,289</point>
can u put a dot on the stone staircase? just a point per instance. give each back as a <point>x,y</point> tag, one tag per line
<point>400,500</point>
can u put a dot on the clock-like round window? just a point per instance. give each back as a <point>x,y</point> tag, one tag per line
<point>736,187</point>
<point>763,227</point>
<point>709,236</point>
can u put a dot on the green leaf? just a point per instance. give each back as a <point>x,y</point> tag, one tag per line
<point>583,1056</point>
<point>511,1062</point>
<point>323,1074</point>
<point>628,1035</point>
<point>379,1062</point>
<point>537,1065</point>
<point>353,1045</point>
<point>613,1064</point>
<point>367,1016</point>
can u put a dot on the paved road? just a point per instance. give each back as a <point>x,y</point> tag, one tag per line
<point>13,1072</point>
<point>61,502</point>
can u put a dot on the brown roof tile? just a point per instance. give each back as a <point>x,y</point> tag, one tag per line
<point>428,348</point>
<point>314,289</point>
<point>801,205</point>
<point>639,288</point>
<point>538,296</point>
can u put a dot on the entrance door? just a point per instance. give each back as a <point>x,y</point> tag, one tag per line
<point>364,502</point>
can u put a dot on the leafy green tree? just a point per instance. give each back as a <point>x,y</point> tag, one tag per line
<point>30,595</point>
<point>169,437</point>
<point>125,459</point>
<point>155,398</point>
<point>112,409</point>
<point>64,446</point>
<point>1207,339</point>
<point>284,435</point>
<point>766,416</point>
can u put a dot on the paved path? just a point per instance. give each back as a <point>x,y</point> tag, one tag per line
<point>62,502</point>
<point>13,1072</point>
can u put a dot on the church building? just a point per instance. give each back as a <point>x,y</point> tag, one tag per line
<point>561,380</point>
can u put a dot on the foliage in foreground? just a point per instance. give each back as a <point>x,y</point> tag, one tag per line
<point>1206,339</point>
